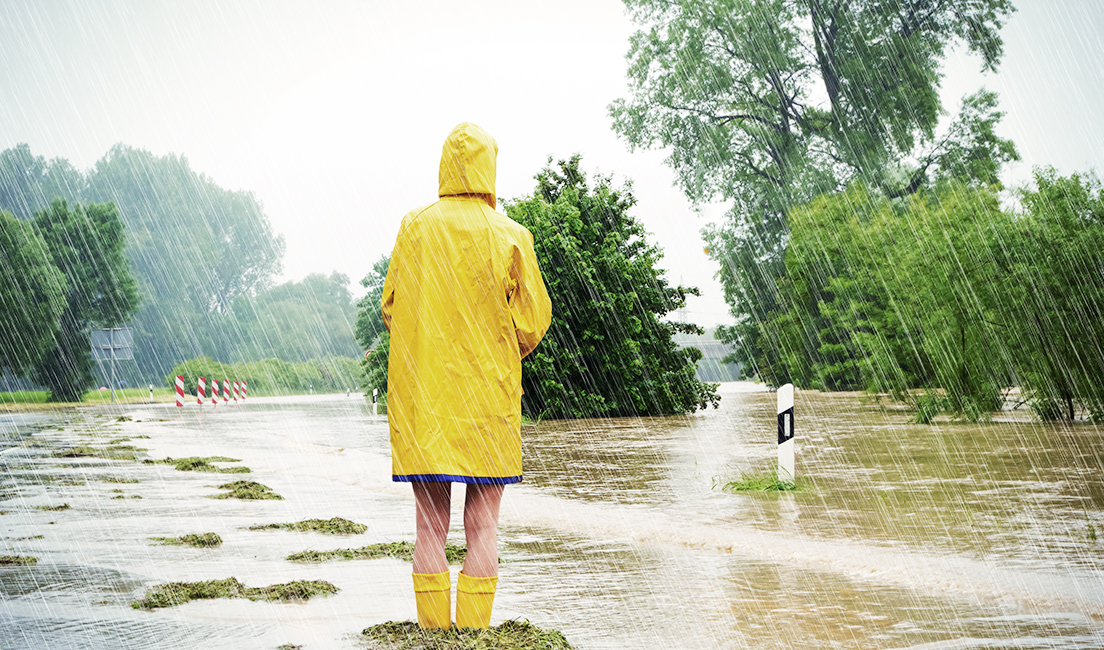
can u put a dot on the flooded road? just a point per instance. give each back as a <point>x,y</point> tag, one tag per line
<point>905,536</point>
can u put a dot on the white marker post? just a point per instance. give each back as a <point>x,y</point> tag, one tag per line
<point>786,434</point>
<point>375,408</point>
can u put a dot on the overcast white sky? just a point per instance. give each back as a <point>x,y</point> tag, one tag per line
<point>333,112</point>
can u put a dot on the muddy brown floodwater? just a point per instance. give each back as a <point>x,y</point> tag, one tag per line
<point>905,536</point>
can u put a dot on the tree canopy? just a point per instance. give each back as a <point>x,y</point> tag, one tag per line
<point>608,352</point>
<point>32,295</point>
<point>766,104</point>
<point>86,244</point>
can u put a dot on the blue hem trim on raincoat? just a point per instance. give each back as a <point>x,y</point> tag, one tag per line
<point>455,478</point>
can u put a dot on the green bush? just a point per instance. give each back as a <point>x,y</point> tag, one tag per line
<point>273,376</point>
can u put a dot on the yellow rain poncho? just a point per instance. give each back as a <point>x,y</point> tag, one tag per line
<point>464,302</point>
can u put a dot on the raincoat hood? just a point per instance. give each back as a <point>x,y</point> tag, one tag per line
<point>468,163</point>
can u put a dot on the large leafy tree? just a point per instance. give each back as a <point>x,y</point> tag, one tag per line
<point>297,321</point>
<point>194,247</point>
<point>1050,265</point>
<point>32,295</point>
<point>86,244</point>
<point>768,103</point>
<point>608,350</point>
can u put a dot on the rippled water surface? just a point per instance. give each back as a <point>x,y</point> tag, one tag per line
<point>905,536</point>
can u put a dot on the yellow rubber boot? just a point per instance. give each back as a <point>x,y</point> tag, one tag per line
<point>474,599</point>
<point>432,592</point>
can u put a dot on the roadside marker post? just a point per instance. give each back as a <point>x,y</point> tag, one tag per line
<point>214,392</point>
<point>786,434</point>
<point>180,390</point>
<point>237,391</point>
<point>375,407</point>
<point>245,388</point>
<point>225,391</point>
<point>201,391</point>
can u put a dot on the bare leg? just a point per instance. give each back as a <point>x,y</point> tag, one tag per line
<point>432,508</point>
<point>481,504</point>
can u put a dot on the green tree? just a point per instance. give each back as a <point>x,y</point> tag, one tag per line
<point>369,321</point>
<point>194,247</point>
<point>1051,292</point>
<point>297,321</point>
<point>370,331</point>
<point>731,88</point>
<point>87,245</point>
<point>607,352</point>
<point>32,295</point>
<point>896,295</point>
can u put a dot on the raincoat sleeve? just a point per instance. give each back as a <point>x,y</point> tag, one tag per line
<point>388,299</point>
<point>529,304</point>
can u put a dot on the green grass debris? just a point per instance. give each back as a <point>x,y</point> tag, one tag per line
<point>510,635</point>
<point>123,418</point>
<point>334,526</point>
<point>178,593</point>
<point>118,452</point>
<point>454,554</point>
<point>17,560</point>
<point>115,479</point>
<point>201,540</point>
<point>202,464</point>
<point>246,490</point>
<point>64,506</point>
<point>761,482</point>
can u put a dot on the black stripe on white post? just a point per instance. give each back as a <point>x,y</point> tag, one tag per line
<point>786,434</point>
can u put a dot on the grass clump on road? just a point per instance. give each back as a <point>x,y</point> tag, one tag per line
<point>178,593</point>
<point>248,490</point>
<point>402,550</point>
<point>64,506</point>
<point>334,526</point>
<point>761,482</point>
<point>17,560</point>
<point>201,540</point>
<point>202,464</point>
<point>117,452</point>
<point>510,635</point>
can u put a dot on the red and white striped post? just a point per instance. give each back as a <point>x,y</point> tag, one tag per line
<point>214,392</point>
<point>225,390</point>
<point>201,391</point>
<point>237,390</point>
<point>180,390</point>
<point>244,387</point>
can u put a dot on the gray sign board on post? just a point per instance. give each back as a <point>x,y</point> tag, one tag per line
<point>121,340</point>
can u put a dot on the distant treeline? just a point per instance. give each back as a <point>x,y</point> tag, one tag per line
<point>273,376</point>
<point>204,259</point>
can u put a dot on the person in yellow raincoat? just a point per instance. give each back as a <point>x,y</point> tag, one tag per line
<point>464,302</point>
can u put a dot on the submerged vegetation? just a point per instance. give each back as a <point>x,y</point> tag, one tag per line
<point>248,490</point>
<point>114,452</point>
<point>64,506</point>
<point>202,464</point>
<point>201,540</point>
<point>178,593</point>
<point>332,526</point>
<point>17,560</point>
<point>510,635</point>
<point>767,481</point>
<point>454,554</point>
